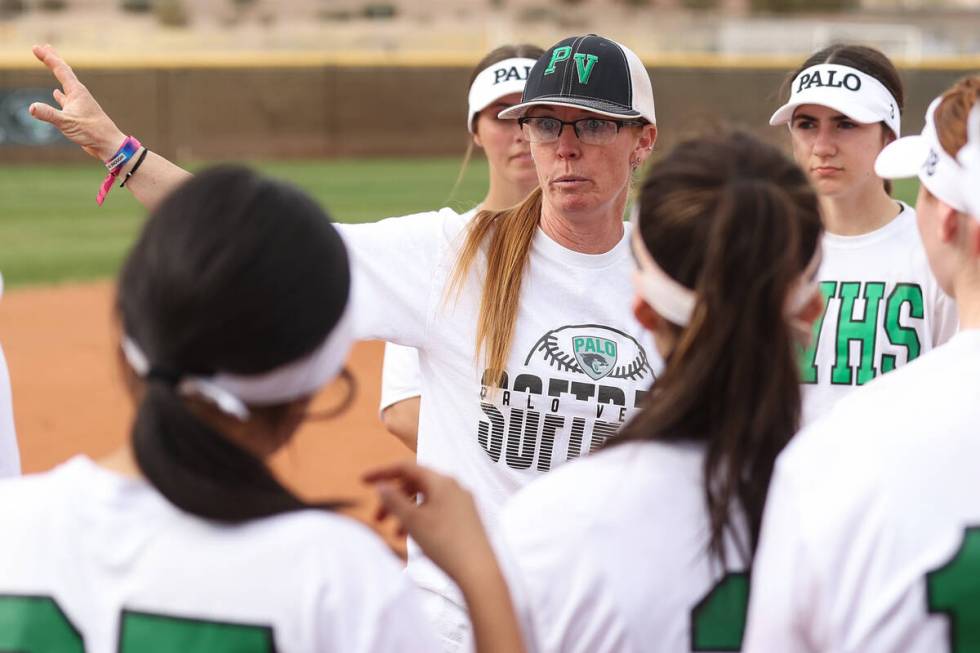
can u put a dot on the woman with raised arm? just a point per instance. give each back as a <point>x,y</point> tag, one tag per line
<point>182,539</point>
<point>883,307</point>
<point>496,83</point>
<point>528,351</point>
<point>870,541</point>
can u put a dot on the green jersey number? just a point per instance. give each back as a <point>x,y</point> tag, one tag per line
<point>954,590</point>
<point>36,624</point>
<point>718,620</point>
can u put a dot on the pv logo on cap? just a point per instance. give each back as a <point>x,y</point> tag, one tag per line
<point>584,63</point>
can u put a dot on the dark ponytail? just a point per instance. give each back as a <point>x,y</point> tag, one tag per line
<point>737,222</point>
<point>232,273</point>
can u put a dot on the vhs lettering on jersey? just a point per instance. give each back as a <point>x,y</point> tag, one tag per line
<point>531,418</point>
<point>850,81</point>
<point>871,332</point>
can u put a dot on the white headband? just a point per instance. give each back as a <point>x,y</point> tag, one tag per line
<point>857,95</point>
<point>676,302</point>
<point>922,155</point>
<point>231,392</point>
<point>969,158</point>
<point>500,79</point>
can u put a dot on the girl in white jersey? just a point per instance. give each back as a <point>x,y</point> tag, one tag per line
<point>528,351</point>
<point>183,540</point>
<point>646,546</point>
<point>871,539</point>
<point>496,83</point>
<point>883,306</point>
<point>9,453</point>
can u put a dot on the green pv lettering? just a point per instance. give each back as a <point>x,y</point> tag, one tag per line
<point>808,361</point>
<point>718,620</point>
<point>37,624</point>
<point>861,330</point>
<point>558,55</point>
<point>954,590</point>
<point>584,63</point>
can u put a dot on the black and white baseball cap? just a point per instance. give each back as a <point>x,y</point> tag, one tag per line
<point>592,73</point>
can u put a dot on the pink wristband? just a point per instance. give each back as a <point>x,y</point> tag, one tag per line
<point>125,152</point>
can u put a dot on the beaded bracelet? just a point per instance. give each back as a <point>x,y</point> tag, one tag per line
<point>139,161</point>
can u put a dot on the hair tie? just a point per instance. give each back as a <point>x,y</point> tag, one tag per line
<point>163,375</point>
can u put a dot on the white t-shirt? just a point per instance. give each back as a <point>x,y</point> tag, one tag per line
<point>883,308</point>
<point>9,454</point>
<point>610,554</point>
<point>579,363</point>
<point>871,526</point>
<point>401,378</point>
<point>90,554</point>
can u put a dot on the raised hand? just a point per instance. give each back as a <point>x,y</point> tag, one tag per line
<point>80,118</point>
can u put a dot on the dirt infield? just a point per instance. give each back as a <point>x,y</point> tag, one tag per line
<point>68,397</point>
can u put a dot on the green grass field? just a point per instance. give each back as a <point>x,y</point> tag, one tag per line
<point>52,231</point>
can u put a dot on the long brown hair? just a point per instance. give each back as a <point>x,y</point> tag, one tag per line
<point>737,222</point>
<point>508,236</point>
<point>860,57</point>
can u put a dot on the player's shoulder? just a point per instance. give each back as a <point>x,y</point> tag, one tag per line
<point>26,493</point>
<point>894,410</point>
<point>600,484</point>
<point>328,537</point>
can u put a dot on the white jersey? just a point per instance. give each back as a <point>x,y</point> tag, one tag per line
<point>882,309</point>
<point>579,363</point>
<point>610,554</point>
<point>9,454</point>
<point>91,555</point>
<point>871,537</point>
<point>401,378</point>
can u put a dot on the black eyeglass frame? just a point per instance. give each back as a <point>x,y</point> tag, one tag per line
<point>574,123</point>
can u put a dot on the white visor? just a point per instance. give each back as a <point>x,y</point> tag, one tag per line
<point>857,95</point>
<point>969,158</point>
<point>231,392</point>
<point>924,157</point>
<point>675,302</point>
<point>502,78</point>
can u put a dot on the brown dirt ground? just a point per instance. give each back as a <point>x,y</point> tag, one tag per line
<point>69,397</point>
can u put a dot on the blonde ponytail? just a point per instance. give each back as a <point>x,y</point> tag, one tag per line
<point>508,235</point>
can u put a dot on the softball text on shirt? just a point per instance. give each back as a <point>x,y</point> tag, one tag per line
<point>577,387</point>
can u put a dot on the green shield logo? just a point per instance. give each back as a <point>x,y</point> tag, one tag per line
<point>596,356</point>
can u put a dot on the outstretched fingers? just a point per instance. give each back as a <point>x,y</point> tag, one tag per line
<point>47,113</point>
<point>58,67</point>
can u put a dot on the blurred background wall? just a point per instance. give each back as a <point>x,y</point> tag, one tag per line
<point>229,79</point>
